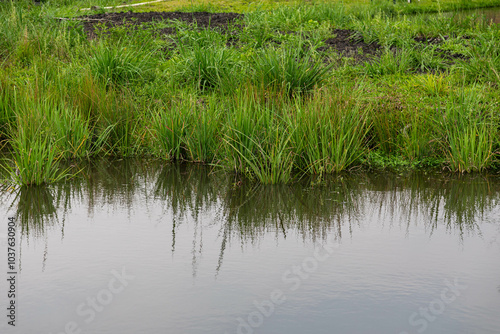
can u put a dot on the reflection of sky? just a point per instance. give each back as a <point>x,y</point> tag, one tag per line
<point>388,265</point>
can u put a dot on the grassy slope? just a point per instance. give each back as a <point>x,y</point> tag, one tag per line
<point>65,97</point>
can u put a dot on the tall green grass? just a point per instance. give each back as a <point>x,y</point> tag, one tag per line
<point>483,63</point>
<point>43,131</point>
<point>35,159</point>
<point>168,128</point>
<point>42,138</point>
<point>6,111</point>
<point>261,99</point>
<point>120,65</point>
<point>202,140</point>
<point>209,68</point>
<point>415,139</point>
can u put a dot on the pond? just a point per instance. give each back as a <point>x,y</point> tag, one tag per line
<point>143,247</point>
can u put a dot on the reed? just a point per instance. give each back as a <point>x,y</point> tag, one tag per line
<point>291,70</point>
<point>168,123</point>
<point>36,151</point>
<point>331,132</point>
<point>202,140</point>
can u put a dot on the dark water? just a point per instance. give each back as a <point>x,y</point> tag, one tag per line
<point>144,248</point>
<point>491,15</point>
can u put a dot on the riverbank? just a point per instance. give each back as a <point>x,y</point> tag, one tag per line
<point>271,95</point>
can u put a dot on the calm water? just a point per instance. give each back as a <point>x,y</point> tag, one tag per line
<point>143,248</point>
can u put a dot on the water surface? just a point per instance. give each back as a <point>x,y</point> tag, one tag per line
<point>140,247</point>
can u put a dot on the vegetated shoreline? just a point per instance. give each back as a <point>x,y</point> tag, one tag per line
<point>269,95</point>
<point>401,7</point>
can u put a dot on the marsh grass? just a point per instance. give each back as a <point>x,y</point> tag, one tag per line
<point>387,120</point>
<point>7,116</point>
<point>403,130</point>
<point>210,68</point>
<point>416,138</point>
<point>204,60</point>
<point>468,131</point>
<point>120,65</point>
<point>331,132</point>
<point>391,62</point>
<point>35,160</point>
<point>483,63</point>
<point>44,133</point>
<point>35,149</point>
<point>257,141</point>
<point>119,127</point>
<point>168,128</point>
<point>202,140</point>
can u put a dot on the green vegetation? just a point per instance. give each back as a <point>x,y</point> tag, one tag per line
<point>267,96</point>
<point>316,207</point>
